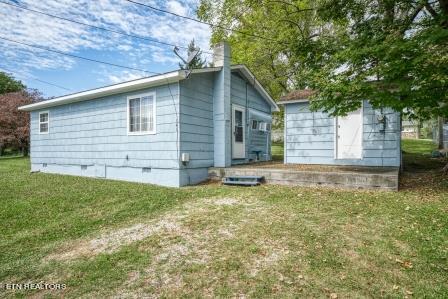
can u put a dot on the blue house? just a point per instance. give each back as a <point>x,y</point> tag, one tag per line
<point>166,129</point>
<point>366,137</point>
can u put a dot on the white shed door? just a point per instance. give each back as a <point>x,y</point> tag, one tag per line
<point>349,136</point>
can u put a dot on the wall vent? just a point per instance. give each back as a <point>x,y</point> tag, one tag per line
<point>146,170</point>
<point>83,167</point>
<point>44,165</point>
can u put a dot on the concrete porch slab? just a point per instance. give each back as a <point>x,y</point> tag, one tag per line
<point>383,178</point>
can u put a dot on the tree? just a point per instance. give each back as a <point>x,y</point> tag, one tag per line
<point>9,84</point>
<point>197,62</point>
<point>275,39</point>
<point>15,124</point>
<point>392,52</point>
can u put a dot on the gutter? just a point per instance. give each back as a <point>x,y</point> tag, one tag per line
<point>108,90</point>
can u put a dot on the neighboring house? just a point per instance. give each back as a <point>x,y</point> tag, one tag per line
<point>409,129</point>
<point>366,137</point>
<point>166,129</point>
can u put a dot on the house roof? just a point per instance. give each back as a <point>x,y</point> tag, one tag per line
<point>137,84</point>
<point>297,96</point>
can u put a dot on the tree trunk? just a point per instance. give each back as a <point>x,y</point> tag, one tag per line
<point>2,149</point>
<point>418,129</point>
<point>440,137</point>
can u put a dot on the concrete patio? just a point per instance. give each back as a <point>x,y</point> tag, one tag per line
<point>349,177</point>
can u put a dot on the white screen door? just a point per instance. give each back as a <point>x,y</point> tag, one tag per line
<point>238,132</point>
<point>349,136</point>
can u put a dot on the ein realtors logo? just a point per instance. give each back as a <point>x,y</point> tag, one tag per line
<point>33,286</point>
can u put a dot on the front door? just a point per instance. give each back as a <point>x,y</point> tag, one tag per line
<point>238,132</point>
<point>349,136</point>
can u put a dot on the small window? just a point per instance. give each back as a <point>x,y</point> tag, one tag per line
<point>44,121</point>
<point>254,124</point>
<point>141,114</point>
<point>262,126</point>
<point>268,127</point>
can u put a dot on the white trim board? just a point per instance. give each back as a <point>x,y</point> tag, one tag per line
<point>135,85</point>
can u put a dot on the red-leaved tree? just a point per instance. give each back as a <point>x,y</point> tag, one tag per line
<point>15,124</point>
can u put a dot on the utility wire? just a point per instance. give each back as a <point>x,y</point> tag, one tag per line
<point>199,21</point>
<point>103,28</point>
<point>33,78</point>
<point>93,26</point>
<point>78,57</point>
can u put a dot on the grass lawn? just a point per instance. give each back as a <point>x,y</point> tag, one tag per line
<point>115,239</point>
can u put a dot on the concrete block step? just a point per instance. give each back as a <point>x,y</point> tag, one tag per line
<point>243,180</point>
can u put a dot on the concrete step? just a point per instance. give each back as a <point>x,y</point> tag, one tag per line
<point>243,180</point>
<point>367,179</point>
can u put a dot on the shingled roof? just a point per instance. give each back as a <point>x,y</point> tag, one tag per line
<point>297,95</point>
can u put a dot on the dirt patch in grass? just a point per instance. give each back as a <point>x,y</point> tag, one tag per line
<point>112,241</point>
<point>204,234</point>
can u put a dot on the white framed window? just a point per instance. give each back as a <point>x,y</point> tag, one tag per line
<point>254,124</point>
<point>268,127</point>
<point>142,114</point>
<point>263,126</point>
<point>44,122</point>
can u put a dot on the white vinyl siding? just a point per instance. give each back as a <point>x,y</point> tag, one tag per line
<point>44,122</point>
<point>141,114</point>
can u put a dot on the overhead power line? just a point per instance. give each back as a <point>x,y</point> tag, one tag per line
<point>140,37</point>
<point>199,21</point>
<point>33,78</point>
<point>93,26</point>
<point>78,57</point>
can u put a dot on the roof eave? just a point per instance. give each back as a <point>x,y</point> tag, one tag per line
<point>293,101</point>
<point>108,90</point>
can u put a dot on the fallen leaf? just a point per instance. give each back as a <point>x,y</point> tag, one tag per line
<point>333,296</point>
<point>405,264</point>
<point>395,287</point>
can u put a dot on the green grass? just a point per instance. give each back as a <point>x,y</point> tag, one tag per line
<point>106,238</point>
<point>417,155</point>
<point>277,151</point>
<point>418,146</point>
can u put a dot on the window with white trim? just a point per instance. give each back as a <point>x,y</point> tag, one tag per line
<point>141,114</point>
<point>254,124</point>
<point>44,121</point>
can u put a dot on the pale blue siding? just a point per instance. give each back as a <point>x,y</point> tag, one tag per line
<point>94,134</point>
<point>245,95</point>
<point>90,138</point>
<point>310,139</point>
<point>197,133</point>
<point>196,126</point>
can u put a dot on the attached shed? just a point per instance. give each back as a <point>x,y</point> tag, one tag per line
<point>366,137</point>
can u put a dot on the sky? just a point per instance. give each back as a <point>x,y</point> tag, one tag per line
<point>32,65</point>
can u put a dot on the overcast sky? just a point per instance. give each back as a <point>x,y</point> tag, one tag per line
<point>31,28</point>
